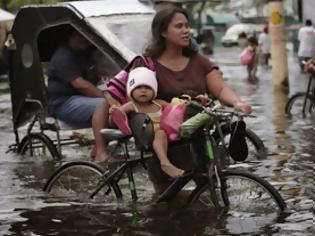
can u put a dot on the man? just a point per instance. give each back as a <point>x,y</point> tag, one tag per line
<point>72,92</point>
<point>264,44</point>
<point>306,36</point>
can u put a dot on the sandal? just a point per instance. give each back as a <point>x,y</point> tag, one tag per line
<point>121,120</point>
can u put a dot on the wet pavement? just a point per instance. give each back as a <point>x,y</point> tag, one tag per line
<point>26,210</point>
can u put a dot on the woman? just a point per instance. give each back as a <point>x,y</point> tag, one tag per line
<point>180,69</point>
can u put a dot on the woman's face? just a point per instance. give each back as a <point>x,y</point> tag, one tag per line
<point>178,31</point>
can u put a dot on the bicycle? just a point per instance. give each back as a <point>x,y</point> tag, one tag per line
<point>302,103</point>
<point>220,184</point>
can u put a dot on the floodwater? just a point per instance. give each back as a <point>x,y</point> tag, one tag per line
<point>26,210</point>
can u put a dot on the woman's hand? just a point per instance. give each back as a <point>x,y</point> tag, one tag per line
<point>243,107</point>
<point>310,66</point>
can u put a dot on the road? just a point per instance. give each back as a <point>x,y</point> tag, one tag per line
<point>26,210</point>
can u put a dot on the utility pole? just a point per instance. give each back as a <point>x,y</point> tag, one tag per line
<point>279,59</point>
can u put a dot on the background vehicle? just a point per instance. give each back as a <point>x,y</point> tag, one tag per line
<point>230,38</point>
<point>37,32</point>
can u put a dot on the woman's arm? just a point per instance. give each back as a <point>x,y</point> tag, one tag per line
<point>217,86</point>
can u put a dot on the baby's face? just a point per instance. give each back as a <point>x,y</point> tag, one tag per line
<point>143,94</point>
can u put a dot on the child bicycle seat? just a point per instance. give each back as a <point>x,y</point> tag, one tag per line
<point>142,130</point>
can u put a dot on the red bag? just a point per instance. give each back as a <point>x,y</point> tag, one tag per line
<point>171,120</point>
<point>116,87</point>
<point>247,57</point>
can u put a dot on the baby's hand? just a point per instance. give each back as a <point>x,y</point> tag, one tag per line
<point>202,99</point>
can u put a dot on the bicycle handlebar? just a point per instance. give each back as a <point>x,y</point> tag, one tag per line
<point>221,112</point>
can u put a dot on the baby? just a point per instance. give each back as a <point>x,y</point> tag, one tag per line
<point>142,90</point>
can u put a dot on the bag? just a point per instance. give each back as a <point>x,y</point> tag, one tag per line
<point>171,119</point>
<point>247,57</point>
<point>116,87</point>
<point>238,148</point>
<point>189,127</point>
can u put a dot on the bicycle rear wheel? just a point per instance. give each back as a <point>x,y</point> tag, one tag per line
<point>295,106</point>
<point>242,192</point>
<point>245,192</point>
<point>76,181</point>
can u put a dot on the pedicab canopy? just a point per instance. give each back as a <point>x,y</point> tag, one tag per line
<point>119,29</point>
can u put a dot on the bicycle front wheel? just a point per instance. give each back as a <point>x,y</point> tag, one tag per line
<point>241,191</point>
<point>77,181</point>
<point>301,105</point>
<point>245,192</point>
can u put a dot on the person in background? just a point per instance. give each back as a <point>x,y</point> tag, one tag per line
<point>252,46</point>
<point>306,37</point>
<point>242,40</point>
<point>264,45</point>
<point>73,95</point>
<point>4,58</point>
<point>180,69</point>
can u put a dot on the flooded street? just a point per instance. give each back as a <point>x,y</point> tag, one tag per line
<point>26,210</point>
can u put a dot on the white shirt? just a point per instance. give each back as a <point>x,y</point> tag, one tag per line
<point>306,36</point>
<point>264,42</point>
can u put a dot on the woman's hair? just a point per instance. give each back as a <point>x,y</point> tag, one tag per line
<point>159,25</point>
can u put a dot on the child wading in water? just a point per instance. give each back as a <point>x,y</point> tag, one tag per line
<point>142,91</point>
<point>252,66</point>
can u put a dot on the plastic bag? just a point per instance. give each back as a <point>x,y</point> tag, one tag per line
<point>189,127</point>
<point>171,120</point>
<point>247,57</point>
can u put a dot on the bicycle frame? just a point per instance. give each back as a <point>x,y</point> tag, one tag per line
<point>126,167</point>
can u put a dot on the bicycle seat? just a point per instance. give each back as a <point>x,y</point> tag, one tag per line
<point>113,134</point>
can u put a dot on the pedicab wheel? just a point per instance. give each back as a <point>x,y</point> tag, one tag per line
<point>243,192</point>
<point>295,106</point>
<point>78,180</point>
<point>38,144</point>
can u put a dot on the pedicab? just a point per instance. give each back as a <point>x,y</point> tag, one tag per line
<point>118,35</point>
<point>36,33</point>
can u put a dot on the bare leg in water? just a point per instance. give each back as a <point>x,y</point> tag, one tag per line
<point>100,121</point>
<point>160,145</point>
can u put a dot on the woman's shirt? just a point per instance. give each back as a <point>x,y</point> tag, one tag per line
<point>191,80</point>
